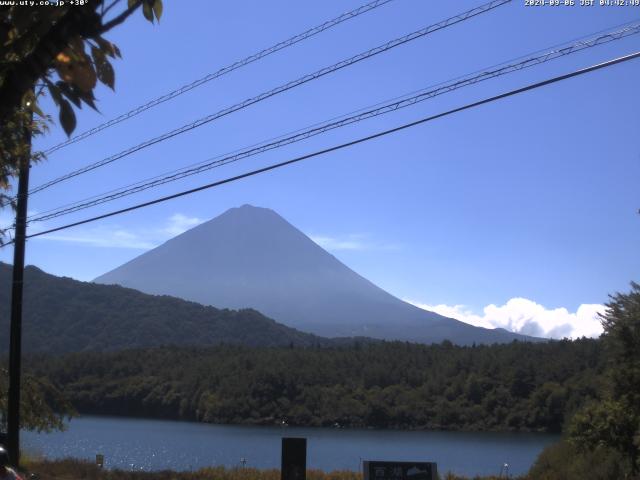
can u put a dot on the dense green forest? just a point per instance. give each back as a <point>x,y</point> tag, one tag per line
<point>64,315</point>
<point>517,386</point>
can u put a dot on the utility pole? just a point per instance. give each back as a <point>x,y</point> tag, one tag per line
<point>15,342</point>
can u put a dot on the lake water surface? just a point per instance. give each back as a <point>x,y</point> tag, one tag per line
<point>157,444</point>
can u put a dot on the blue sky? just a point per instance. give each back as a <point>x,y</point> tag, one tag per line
<point>534,197</point>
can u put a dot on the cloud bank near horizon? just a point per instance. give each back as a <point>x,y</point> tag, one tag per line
<point>521,315</point>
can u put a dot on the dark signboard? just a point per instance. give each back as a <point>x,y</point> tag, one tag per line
<point>294,459</point>
<point>375,470</point>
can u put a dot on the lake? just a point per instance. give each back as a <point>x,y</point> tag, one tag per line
<point>158,444</point>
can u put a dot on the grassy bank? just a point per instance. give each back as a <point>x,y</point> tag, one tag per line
<point>71,469</point>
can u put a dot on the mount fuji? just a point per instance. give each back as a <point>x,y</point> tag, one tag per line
<point>250,257</point>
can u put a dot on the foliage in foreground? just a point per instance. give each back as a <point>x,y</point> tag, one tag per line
<point>42,406</point>
<point>564,461</point>
<point>613,422</point>
<point>40,39</point>
<point>603,438</point>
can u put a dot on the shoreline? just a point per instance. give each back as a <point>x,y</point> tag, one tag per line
<point>341,427</point>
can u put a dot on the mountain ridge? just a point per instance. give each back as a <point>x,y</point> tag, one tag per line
<point>63,315</point>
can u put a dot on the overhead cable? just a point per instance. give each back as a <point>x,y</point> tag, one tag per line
<point>363,114</point>
<point>223,71</point>
<point>383,133</point>
<point>282,88</point>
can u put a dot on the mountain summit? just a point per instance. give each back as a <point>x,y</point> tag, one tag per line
<point>252,257</point>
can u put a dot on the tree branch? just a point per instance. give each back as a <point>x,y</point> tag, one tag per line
<point>119,19</point>
<point>106,10</point>
<point>83,22</point>
<point>24,74</point>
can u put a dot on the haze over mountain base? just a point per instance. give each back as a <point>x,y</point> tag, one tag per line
<point>251,257</point>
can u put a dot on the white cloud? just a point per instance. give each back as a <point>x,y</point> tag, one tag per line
<point>131,238</point>
<point>353,241</point>
<point>349,242</point>
<point>179,223</point>
<point>525,316</point>
<point>103,237</point>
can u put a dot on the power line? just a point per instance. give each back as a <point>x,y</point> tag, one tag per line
<point>223,71</point>
<point>597,38</point>
<point>347,144</point>
<point>492,72</point>
<point>282,88</point>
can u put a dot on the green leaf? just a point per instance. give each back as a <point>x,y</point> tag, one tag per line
<point>69,93</point>
<point>36,108</point>
<point>54,91</point>
<point>107,75</point>
<point>67,117</point>
<point>132,3</point>
<point>98,55</point>
<point>157,9</point>
<point>22,18</point>
<point>30,102</point>
<point>88,98</point>
<point>28,99</point>
<point>104,69</point>
<point>147,11</point>
<point>106,46</point>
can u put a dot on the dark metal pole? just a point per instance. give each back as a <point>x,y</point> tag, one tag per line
<point>15,346</point>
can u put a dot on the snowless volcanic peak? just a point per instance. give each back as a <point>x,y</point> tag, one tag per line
<point>252,257</point>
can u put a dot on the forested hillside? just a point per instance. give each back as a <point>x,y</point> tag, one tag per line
<point>518,386</point>
<point>64,315</point>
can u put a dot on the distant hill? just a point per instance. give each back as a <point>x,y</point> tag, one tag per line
<point>65,315</point>
<point>252,257</point>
